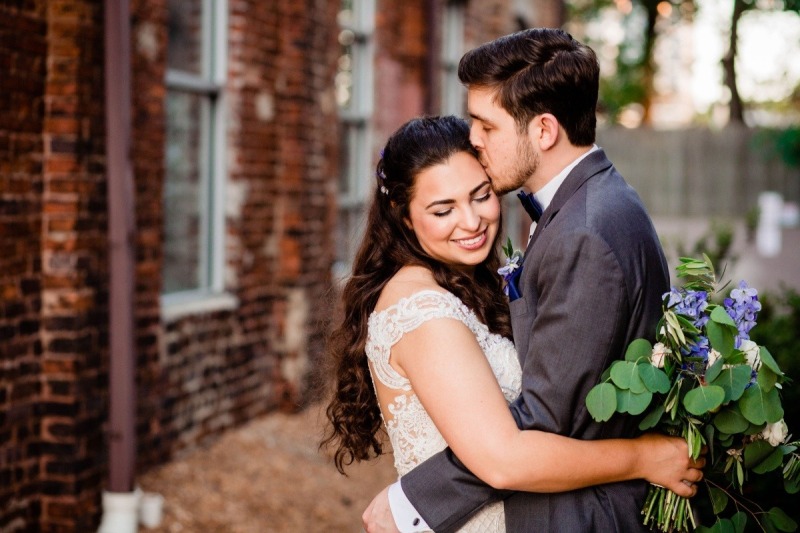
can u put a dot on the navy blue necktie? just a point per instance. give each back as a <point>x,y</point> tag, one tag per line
<point>531,205</point>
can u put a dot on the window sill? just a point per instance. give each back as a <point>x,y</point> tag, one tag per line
<point>183,304</point>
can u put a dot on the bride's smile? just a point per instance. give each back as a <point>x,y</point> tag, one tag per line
<point>454,212</point>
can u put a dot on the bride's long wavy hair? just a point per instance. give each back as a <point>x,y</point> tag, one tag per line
<point>388,245</point>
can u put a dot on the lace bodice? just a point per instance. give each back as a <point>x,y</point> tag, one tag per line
<point>413,435</point>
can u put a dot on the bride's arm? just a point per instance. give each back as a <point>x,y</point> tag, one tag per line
<point>453,380</point>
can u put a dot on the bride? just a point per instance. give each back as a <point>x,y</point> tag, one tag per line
<point>424,347</point>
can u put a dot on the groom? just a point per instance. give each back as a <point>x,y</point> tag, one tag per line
<point>591,282</point>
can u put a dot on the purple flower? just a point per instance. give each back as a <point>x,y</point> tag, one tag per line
<point>743,306</point>
<point>689,303</point>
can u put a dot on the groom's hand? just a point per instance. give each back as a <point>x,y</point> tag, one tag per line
<point>378,516</point>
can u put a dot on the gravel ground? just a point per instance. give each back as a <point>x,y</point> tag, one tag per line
<point>266,476</point>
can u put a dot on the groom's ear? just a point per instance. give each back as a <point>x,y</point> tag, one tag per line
<point>544,130</point>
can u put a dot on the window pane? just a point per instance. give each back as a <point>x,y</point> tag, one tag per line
<point>185,39</point>
<point>184,193</point>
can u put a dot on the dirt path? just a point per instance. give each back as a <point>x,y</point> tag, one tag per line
<point>266,476</point>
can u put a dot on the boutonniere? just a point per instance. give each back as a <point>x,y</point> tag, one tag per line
<point>511,270</point>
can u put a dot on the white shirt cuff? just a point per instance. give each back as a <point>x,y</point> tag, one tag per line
<point>406,518</point>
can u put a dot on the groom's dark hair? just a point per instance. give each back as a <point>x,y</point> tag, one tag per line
<point>539,70</point>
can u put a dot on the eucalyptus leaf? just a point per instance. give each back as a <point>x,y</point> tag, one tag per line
<point>621,373</point>
<point>720,337</point>
<point>638,349</point>
<point>739,521</point>
<point>768,360</point>
<point>701,400</point>
<point>791,486</point>
<point>754,429</point>
<point>772,461</point>
<point>730,421</point>
<point>719,499</point>
<point>713,371</point>
<point>756,452</point>
<point>733,380</point>
<point>720,316</point>
<point>625,375</point>
<point>726,440</point>
<point>652,418</point>
<point>724,525</point>
<point>760,406</point>
<point>633,403</point>
<point>653,378</point>
<point>766,378</point>
<point>781,520</point>
<point>602,401</point>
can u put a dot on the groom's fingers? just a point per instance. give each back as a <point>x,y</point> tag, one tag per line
<point>377,518</point>
<point>694,476</point>
<point>366,515</point>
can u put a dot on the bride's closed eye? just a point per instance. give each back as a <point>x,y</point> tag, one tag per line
<point>484,197</point>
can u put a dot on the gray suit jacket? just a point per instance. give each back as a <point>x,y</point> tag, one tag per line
<point>593,276</point>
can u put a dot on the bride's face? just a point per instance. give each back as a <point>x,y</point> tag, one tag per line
<point>454,212</point>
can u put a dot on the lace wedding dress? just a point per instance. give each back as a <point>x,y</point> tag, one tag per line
<point>412,433</point>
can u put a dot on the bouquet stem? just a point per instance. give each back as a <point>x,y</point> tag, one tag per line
<point>667,512</point>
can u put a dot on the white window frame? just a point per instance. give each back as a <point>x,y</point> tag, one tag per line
<point>210,295</point>
<point>453,95</point>
<point>358,117</point>
<point>357,125</point>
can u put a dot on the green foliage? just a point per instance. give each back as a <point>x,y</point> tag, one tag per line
<point>730,403</point>
<point>715,243</point>
<point>784,144</point>
<point>779,327</point>
<point>626,87</point>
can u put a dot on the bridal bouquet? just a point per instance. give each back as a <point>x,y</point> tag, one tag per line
<point>706,381</point>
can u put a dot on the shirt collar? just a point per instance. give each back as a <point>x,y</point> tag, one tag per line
<point>546,194</point>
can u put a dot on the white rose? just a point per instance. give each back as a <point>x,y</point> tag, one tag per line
<point>660,352</point>
<point>713,356</point>
<point>775,433</point>
<point>752,354</point>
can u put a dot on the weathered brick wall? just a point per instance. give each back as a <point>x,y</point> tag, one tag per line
<point>217,370</point>
<point>195,376</point>
<point>406,85</point>
<point>74,391</point>
<point>488,20</point>
<point>23,45</point>
<point>203,373</point>
<point>155,412</point>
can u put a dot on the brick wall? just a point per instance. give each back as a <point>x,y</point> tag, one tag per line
<point>22,117</point>
<point>198,375</point>
<point>73,402</point>
<point>195,376</point>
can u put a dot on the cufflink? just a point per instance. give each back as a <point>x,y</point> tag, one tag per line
<point>416,522</point>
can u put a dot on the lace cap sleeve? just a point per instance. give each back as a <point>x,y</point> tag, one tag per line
<point>387,327</point>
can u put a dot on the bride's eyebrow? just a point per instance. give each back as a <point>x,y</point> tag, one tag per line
<point>451,201</point>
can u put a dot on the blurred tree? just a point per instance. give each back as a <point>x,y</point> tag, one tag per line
<point>633,78</point>
<point>740,7</point>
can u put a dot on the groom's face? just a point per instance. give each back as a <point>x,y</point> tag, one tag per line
<point>508,157</point>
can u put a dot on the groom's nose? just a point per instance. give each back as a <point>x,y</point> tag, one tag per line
<point>475,137</point>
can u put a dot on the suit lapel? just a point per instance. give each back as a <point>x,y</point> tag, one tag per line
<point>593,164</point>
